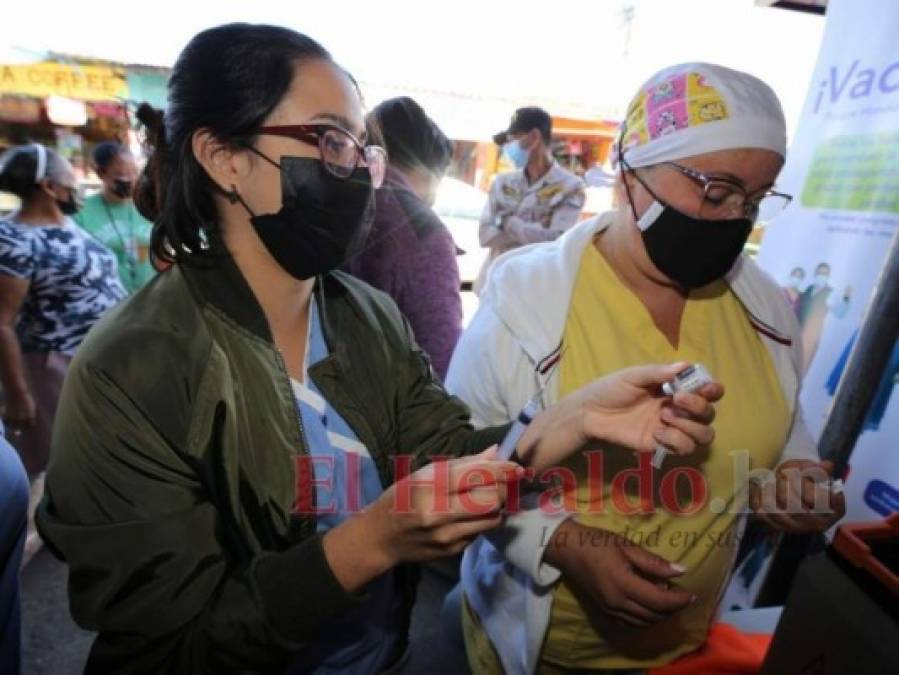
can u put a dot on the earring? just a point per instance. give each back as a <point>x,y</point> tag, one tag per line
<point>204,239</point>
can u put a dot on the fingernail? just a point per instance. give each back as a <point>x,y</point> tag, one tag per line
<point>680,569</point>
<point>694,599</point>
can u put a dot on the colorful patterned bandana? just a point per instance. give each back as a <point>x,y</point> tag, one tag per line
<point>695,108</point>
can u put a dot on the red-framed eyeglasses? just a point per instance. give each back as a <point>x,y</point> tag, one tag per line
<point>341,152</point>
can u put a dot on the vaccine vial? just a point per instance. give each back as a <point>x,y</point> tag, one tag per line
<point>690,379</point>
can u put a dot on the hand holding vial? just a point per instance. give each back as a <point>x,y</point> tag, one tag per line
<point>690,379</point>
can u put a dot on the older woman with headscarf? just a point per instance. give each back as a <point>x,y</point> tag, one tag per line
<point>632,578</point>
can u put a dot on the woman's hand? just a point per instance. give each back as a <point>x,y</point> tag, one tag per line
<point>626,408</point>
<point>629,408</point>
<point>624,580</point>
<point>442,507</point>
<point>798,497</point>
<point>20,412</point>
<point>435,512</point>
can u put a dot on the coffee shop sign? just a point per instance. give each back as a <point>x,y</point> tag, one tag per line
<point>83,82</point>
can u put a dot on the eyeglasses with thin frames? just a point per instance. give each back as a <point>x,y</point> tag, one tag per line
<point>721,196</point>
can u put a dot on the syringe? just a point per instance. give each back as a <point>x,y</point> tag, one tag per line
<point>519,426</point>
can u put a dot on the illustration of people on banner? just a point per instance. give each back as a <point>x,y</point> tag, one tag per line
<point>813,304</point>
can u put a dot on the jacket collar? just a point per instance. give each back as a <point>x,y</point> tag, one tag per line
<point>219,283</point>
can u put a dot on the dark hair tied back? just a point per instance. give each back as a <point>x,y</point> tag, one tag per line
<point>146,194</point>
<point>19,167</point>
<point>227,80</point>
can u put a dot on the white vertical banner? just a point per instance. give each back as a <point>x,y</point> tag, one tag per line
<point>827,248</point>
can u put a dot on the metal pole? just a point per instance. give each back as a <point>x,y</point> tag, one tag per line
<point>855,392</point>
<point>864,369</point>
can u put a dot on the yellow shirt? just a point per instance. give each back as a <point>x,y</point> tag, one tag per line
<point>607,329</point>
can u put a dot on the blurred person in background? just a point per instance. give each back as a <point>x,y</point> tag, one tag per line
<point>536,202</point>
<point>111,217</point>
<point>13,511</point>
<point>409,253</point>
<point>55,283</point>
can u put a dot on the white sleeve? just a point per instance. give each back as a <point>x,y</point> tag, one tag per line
<point>473,370</point>
<point>800,444</point>
<point>492,374</point>
<point>523,537</point>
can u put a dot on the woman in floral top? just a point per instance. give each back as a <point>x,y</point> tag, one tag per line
<point>55,282</point>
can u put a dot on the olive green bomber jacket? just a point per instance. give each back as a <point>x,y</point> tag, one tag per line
<point>172,481</point>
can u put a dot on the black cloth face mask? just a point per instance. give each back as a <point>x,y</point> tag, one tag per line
<point>324,220</point>
<point>121,188</point>
<point>70,206</point>
<point>692,252</point>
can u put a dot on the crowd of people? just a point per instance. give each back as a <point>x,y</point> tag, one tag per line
<point>243,373</point>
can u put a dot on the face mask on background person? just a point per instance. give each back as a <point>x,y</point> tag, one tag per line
<point>821,280</point>
<point>71,205</point>
<point>516,154</point>
<point>122,188</point>
<point>323,221</point>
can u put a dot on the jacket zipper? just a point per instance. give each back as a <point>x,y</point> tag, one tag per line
<point>298,418</point>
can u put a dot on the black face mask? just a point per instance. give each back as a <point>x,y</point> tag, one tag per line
<point>690,251</point>
<point>69,206</point>
<point>324,220</point>
<point>122,188</point>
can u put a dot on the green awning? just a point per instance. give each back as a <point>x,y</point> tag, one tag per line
<point>147,86</point>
